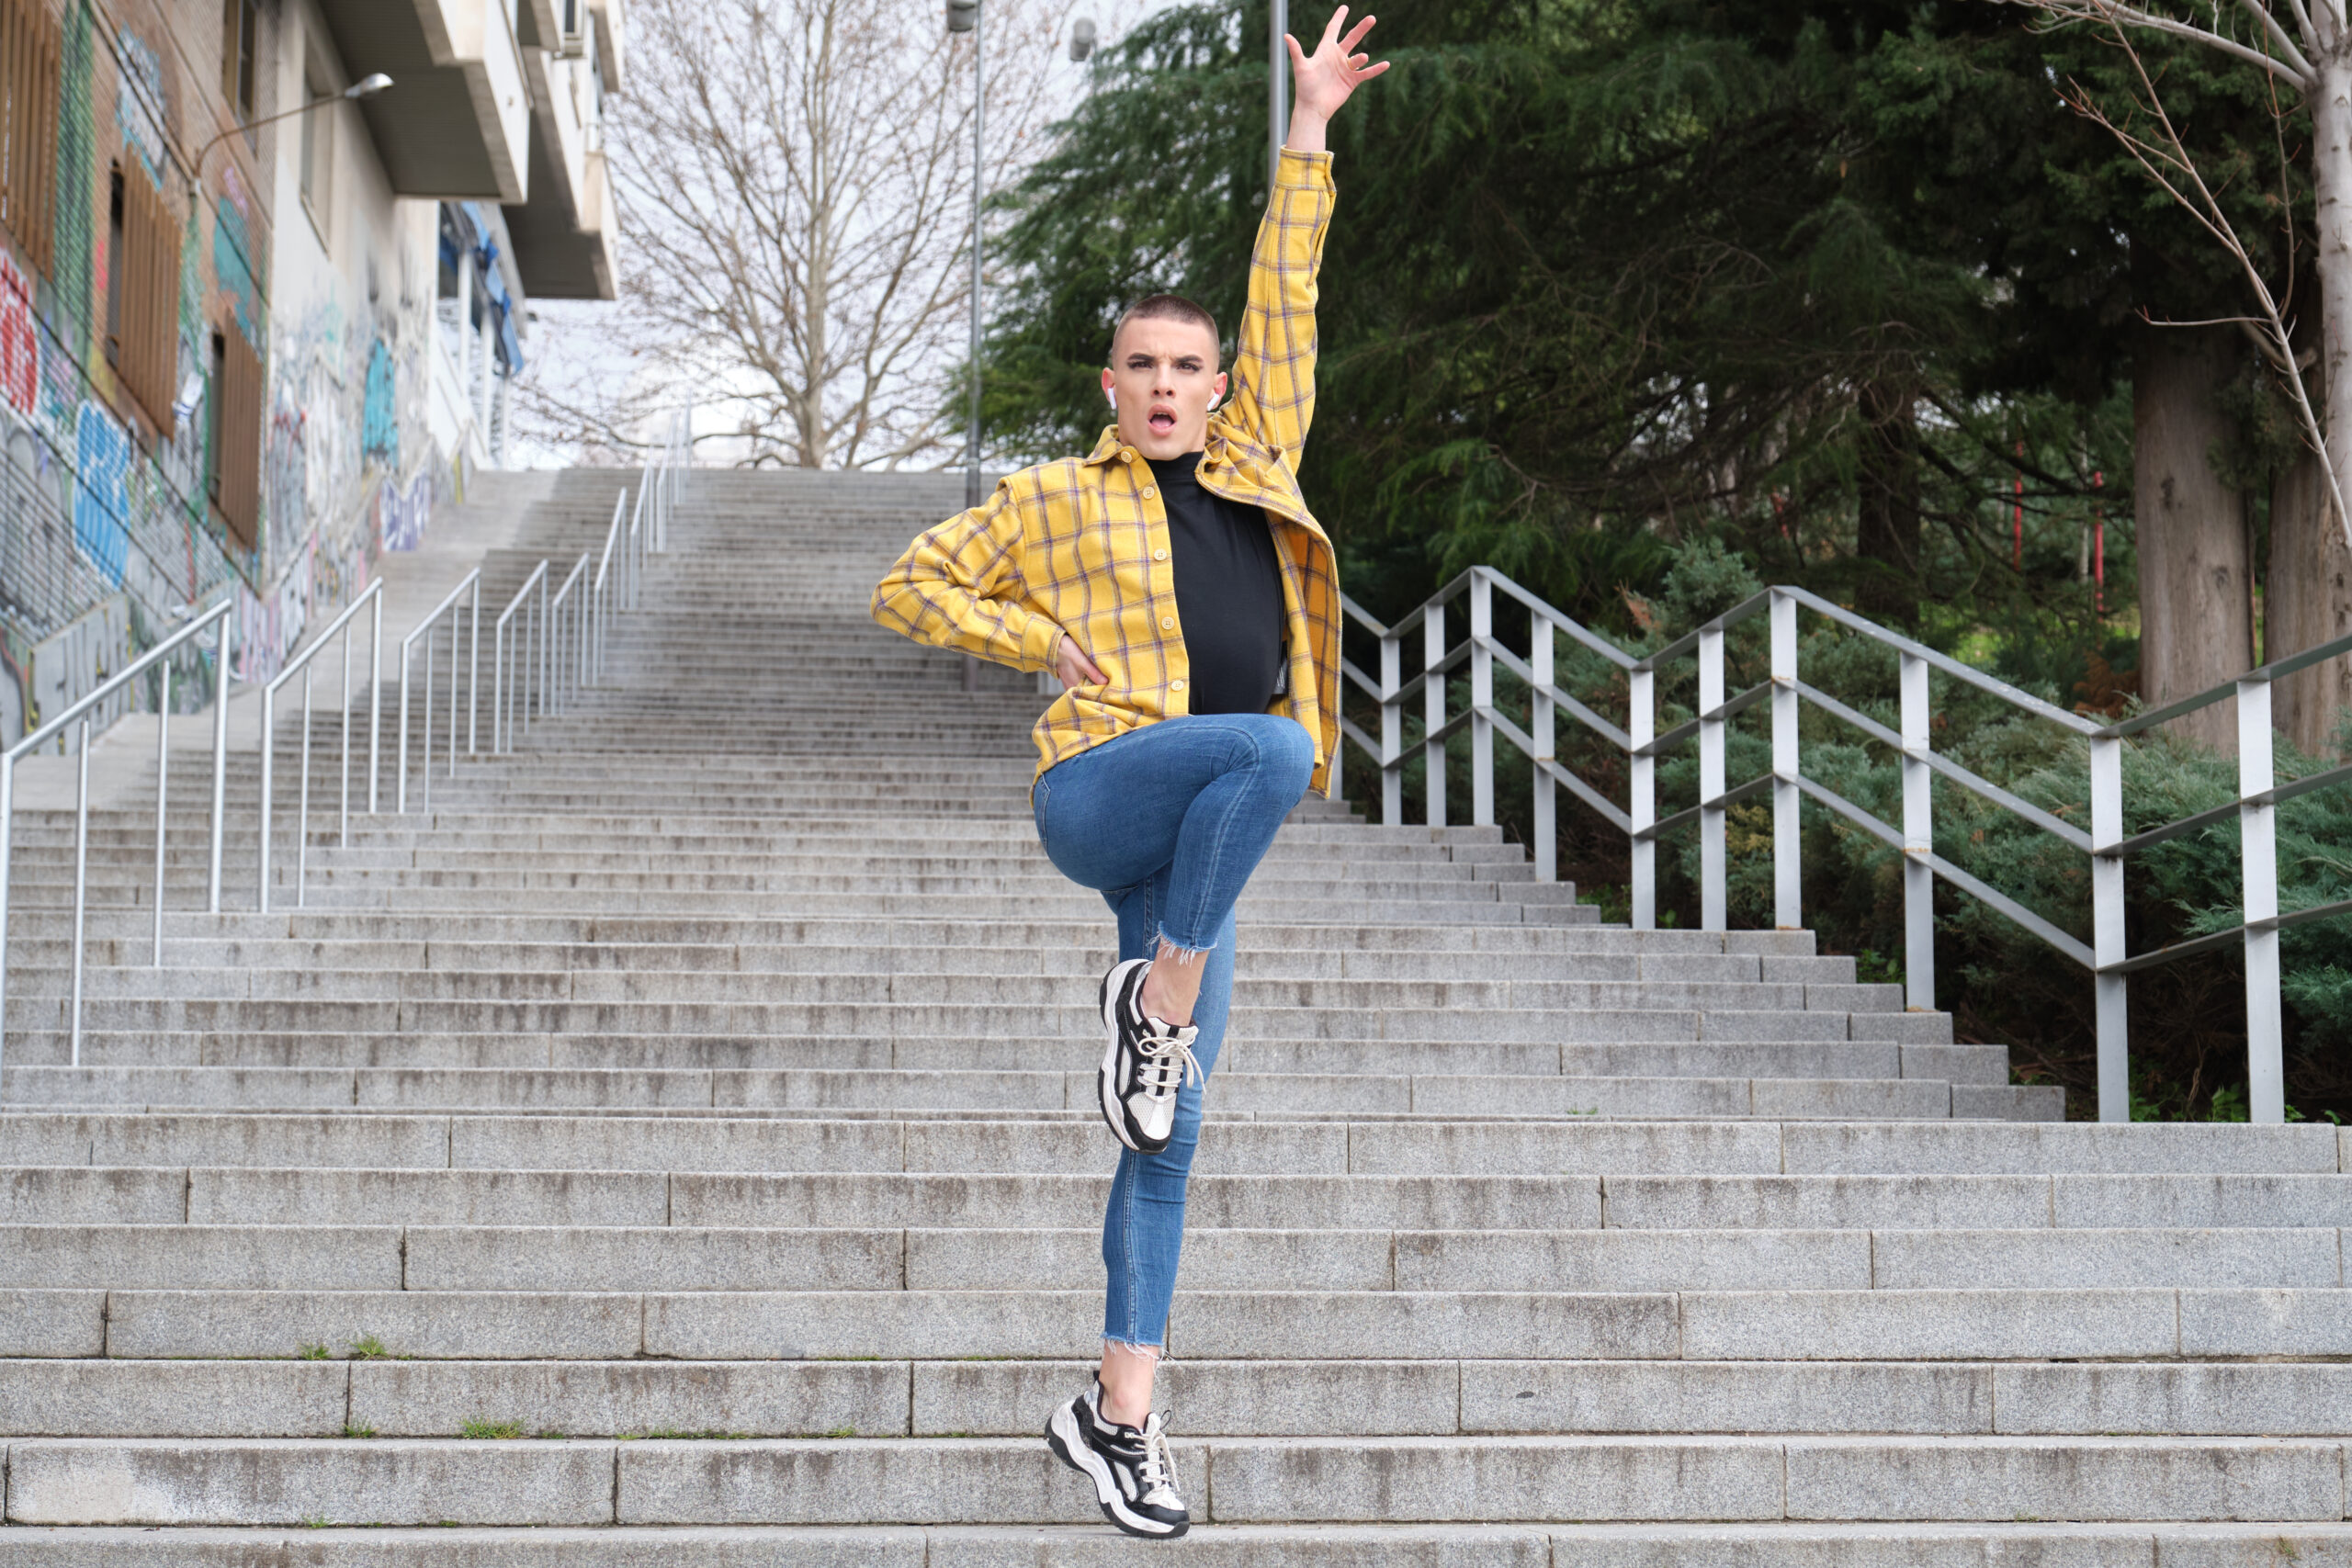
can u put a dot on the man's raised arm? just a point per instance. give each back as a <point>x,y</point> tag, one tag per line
<point>1273,364</point>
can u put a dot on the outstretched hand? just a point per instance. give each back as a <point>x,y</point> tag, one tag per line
<point>1322,80</point>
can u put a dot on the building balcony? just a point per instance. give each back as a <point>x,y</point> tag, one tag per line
<point>564,235</point>
<point>457,121</point>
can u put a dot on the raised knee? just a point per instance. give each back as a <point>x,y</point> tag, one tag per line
<point>1291,753</point>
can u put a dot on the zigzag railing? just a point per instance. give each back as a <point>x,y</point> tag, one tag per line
<point>2105,844</point>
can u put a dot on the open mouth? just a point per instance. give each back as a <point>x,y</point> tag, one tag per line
<point>1162,420</point>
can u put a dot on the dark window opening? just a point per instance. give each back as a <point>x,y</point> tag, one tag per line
<point>214,396</point>
<point>240,22</point>
<point>114,269</point>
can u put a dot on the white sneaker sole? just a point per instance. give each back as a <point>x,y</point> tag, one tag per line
<point>1070,1447</point>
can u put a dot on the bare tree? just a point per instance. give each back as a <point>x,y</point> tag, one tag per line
<point>794,179</point>
<point>2305,48</point>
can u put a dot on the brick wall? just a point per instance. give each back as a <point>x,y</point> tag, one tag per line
<point>99,503</point>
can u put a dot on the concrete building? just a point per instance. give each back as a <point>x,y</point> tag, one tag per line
<point>253,330</point>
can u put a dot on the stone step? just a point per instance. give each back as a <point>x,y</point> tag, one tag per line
<point>83,1194</point>
<point>41,961</point>
<point>390,1399</point>
<point>169,1256</point>
<point>1031,992</point>
<point>1430,1146</point>
<point>912,1090</point>
<point>1068,1019</point>
<point>1093,1545</point>
<point>1241,1479</point>
<point>1966,1066</point>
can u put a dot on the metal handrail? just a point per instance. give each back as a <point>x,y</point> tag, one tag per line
<point>78,715</point>
<point>570,640</point>
<point>2105,957</point>
<point>502,724</point>
<point>660,490</point>
<point>601,609</point>
<point>371,598</point>
<point>637,532</point>
<point>469,588</point>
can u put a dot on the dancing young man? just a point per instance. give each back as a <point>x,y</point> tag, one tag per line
<point>1175,583</point>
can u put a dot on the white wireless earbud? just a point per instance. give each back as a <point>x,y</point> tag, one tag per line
<point>1114,396</point>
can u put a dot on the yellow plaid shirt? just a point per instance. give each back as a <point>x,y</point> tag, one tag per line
<point>1081,546</point>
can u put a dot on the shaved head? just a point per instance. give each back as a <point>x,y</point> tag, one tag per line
<point>1164,307</point>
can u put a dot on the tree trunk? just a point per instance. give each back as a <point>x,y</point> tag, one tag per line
<point>2196,618</point>
<point>2331,108</point>
<point>2310,596</point>
<point>2308,600</point>
<point>1887,531</point>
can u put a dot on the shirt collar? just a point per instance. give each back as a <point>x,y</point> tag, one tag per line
<point>1105,448</point>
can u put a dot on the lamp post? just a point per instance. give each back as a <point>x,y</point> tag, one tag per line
<point>1277,91</point>
<point>964,16</point>
<point>366,88</point>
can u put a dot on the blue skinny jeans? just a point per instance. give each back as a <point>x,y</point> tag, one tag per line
<point>1167,822</point>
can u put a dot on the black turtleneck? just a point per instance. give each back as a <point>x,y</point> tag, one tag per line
<point>1228,591</point>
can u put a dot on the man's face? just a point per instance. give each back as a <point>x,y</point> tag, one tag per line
<point>1163,377</point>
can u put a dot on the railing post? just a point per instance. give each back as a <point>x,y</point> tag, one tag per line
<point>375,692</point>
<point>2112,990</point>
<point>343,783</point>
<point>1788,877</point>
<point>2258,861</point>
<point>268,700</point>
<point>473,666</point>
<point>220,761</point>
<point>546,645</point>
<point>1713,897</point>
<point>399,778</point>
<point>303,811</point>
<point>425,742</point>
<point>162,789</point>
<point>1541,718</point>
<point>498,688</point>
<point>8,842</point>
<point>1482,700</point>
<point>1919,841</point>
<point>81,880</point>
<point>1641,728</point>
<point>1392,733</point>
<point>1433,711</point>
<point>455,630</point>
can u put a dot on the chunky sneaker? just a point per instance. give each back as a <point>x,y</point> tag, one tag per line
<point>1144,1062</point>
<point>1134,1479</point>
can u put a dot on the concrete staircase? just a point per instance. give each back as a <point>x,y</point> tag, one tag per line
<point>678,1147</point>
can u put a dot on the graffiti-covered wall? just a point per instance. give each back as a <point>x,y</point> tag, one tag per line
<point>104,514</point>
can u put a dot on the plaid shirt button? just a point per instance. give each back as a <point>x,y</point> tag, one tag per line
<point>1149,492</point>
<point>1175,685</point>
<point>1167,625</point>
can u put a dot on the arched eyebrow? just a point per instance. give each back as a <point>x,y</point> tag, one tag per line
<point>1137,359</point>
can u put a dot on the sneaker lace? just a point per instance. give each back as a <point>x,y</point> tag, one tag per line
<point>1156,1470</point>
<point>1165,1057</point>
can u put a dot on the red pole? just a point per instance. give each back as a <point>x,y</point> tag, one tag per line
<point>2098,545</point>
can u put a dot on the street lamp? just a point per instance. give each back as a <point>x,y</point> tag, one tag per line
<point>366,88</point>
<point>1081,39</point>
<point>964,16</point>
<point>1277,92</point>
